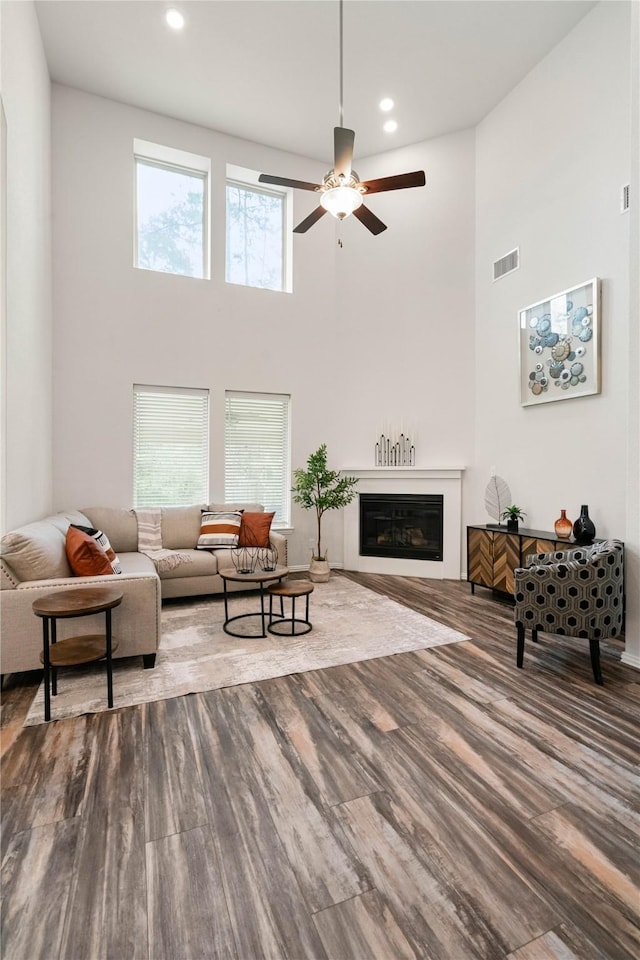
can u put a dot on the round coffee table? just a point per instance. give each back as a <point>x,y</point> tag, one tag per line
<point>75,650</point>
<point>260,577</point>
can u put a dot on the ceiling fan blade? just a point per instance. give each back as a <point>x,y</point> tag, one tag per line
<point>309,221</point>
<point>285,182</point>
<point>399,182</point>
<point>370,220</point>
<point>342,151</point>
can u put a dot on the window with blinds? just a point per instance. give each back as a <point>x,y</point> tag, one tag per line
<point>256,451</point>
<point>170,446</point>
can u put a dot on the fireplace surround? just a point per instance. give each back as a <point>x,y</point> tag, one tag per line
<point>445,482</point>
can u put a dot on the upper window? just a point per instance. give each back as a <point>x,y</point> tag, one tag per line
<point>256,451</point>
<point>258,232</point>
<point>170,446</point>
<point>172,204</point>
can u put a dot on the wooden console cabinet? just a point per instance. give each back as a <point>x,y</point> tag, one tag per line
<point>493,554</point>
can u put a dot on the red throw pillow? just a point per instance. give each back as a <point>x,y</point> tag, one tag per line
<point>86,557</point>
<point>255,529</point>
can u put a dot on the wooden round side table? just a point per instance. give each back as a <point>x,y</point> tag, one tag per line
<point>292,589</point>
<point>75,650</point>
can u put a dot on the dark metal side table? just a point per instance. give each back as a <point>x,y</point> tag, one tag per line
<point>260,577</point>
<point>75,650</point>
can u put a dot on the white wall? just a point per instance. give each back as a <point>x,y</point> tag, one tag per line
<point>632,538</point>
<point>348,363</point>
<point>26,336</point>
<point>551,159</point>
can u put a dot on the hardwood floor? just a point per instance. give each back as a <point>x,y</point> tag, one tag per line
<point>440,804</point>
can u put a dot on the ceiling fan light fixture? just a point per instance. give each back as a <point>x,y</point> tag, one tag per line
<point>341,201</point>
<point>174,18</point>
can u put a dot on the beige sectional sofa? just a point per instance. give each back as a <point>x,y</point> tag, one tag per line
<point>33,563</point>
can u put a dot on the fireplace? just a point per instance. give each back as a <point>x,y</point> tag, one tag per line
<point>445,483</point>
<point>401,525</point>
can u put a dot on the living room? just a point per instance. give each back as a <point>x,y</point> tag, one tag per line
<point>484,194</point>
<point>406,327</point>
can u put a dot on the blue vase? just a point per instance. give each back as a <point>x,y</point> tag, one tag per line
<point>583,529</point>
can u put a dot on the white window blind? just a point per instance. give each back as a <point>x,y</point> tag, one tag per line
<point>170,446</point>
<point>256,451</point>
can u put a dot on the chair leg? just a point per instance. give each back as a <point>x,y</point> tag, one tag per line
<point>534,634</point>
<point>520,654</point>
<point>594,648</point>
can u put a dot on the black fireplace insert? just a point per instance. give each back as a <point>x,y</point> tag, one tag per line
<point>401,525</point>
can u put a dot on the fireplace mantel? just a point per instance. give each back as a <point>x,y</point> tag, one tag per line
<point>443,480</point>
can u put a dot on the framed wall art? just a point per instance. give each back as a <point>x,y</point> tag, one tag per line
<point>560,346</point>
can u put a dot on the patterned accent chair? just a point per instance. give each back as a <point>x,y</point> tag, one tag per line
<point>578,593</point>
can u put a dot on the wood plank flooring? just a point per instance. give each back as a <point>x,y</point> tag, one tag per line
<point>439,804</point>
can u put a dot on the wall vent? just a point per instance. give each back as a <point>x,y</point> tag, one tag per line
<point>624,198</point>
<point>506,264</point>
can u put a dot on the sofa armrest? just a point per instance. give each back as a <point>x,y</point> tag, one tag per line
<point>279,543</point>
<point>136,622</point>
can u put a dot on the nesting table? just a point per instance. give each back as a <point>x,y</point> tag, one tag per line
<point>260,577</point>
<point>75,650</point>
<point>294,626</point>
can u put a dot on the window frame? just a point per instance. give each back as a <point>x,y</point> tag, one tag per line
<point>176,161</point>
<point>246,179</point>
<point>140,389</point>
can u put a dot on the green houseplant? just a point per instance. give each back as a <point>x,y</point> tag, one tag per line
<point>512,515</point>
<point>320,489</point>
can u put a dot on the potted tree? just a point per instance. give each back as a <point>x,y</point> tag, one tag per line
<point>512,515</point>
<point>320,489</point>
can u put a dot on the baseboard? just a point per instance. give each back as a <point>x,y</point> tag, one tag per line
<point>304,567</point>
<point>630,660</point>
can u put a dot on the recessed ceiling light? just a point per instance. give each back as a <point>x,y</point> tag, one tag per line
<point>175,19</point>
<point>390,126</point>
<point>386,104</point>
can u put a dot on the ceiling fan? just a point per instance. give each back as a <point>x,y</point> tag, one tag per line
<point>341,191</point>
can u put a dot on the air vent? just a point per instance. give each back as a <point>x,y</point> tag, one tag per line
<point>624,198</point>
<point>506,264</point>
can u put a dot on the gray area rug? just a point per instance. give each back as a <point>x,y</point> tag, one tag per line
<point>350,623</point>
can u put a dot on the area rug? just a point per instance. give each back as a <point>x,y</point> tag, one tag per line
<point>350,623</point>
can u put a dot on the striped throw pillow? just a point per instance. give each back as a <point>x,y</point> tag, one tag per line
<point>219,530</point>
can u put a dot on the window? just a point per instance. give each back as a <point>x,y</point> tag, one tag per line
<point>170,446</point>
<point>172,203</point>
<point>258,232</point>
<point>256,451</point>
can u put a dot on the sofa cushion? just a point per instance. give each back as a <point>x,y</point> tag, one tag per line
<point>181,527</point>
<point>222,507</point>
<point>255,529</point>
<point>120,526</point>
<point>226,560</point>
<point>36,551</point>
<point>85,555</point>
<point>103,541</point>
<point>202,563</point>
<point>219,530</point>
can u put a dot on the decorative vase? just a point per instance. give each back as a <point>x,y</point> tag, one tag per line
<point>563,526</point>
<point>244,559</point>
<point>512,526</point>
<point>583,529</point>
<point>319,571</point>
<point>268,559</point>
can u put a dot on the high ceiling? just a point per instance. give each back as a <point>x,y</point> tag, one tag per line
<point>268,70</point>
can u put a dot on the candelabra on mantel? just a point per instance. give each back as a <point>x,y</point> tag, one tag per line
<point>395,451</point>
